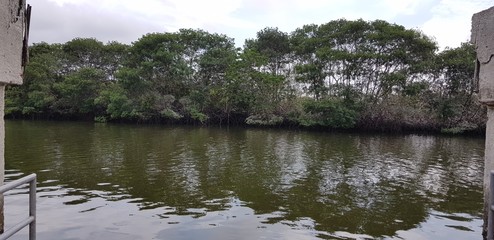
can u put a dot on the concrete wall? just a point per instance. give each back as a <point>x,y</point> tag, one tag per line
<point>2,150</point>
<point>483,38</point>
<point>12,31</point>
<point>11,38</point>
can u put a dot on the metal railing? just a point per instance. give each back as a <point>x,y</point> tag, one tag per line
<point>31,220</point>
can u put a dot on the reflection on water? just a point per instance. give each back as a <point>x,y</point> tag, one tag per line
<point>103,181</point>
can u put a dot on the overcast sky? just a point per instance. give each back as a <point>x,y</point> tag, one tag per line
<point>58,21</point>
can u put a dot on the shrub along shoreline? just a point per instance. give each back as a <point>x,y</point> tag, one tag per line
<point>342,75</point>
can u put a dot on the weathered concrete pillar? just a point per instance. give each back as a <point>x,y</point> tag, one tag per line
<point>14,28</point>
<point>2,150</point>
<point>483,38</point>
<point>489,163</point>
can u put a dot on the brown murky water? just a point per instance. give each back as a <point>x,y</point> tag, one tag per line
<point>104,181</point>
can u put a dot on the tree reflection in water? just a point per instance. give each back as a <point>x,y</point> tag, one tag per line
<point>332,184</point>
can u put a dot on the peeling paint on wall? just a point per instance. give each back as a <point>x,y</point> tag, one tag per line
<point>482,37</point>
<point>12,29</point>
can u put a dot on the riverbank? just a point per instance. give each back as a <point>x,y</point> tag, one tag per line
<point>382,129</point>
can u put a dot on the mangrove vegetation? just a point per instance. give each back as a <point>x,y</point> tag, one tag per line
<point>344,74</point>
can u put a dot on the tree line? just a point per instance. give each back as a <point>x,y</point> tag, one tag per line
<point>340,75</point>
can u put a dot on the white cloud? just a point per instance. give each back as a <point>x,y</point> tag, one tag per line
<point>126,20</point>
<point>451,21</point>
<point>62,2</point>
<point>153,15</point>
<point>406,7</point>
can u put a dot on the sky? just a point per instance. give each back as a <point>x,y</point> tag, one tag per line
<point>448,22</point>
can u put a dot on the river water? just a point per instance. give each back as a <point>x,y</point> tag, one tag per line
<point>106,181</point>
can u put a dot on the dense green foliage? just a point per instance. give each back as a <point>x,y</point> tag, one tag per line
<point>339,75</point>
